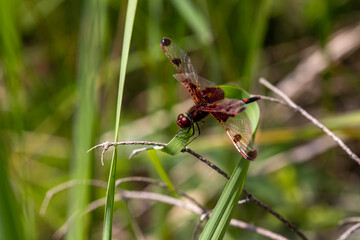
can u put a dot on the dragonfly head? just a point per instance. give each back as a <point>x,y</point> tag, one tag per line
<point>183,121</point>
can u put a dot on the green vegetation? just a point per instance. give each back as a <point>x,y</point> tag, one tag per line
<point>70,69</point>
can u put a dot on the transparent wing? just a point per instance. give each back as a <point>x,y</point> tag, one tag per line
<point>226,106</point>
<point>178,57</point>
<point>200,93</point>
<point>238,128</point>
<point>187,74</point>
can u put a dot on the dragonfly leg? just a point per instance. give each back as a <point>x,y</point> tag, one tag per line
<point>196,129</point>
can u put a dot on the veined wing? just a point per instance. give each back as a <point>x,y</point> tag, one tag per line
<point>187,74</point>
<point>178,57</point>
<point>238,128</point>
<point>200,93</point>
<point>225,106</point>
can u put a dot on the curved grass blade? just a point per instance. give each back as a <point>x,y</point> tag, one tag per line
<point>178,142</point>
<point>221,216</point>
<point>195,19</point>
<point>161,171</point>
<point>109,206</point>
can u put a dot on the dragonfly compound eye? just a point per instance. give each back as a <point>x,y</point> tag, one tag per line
<point>183,121</point>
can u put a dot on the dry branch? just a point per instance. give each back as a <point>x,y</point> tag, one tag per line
<point>124,195</point>
<point>248,195</point>
<point>340,45</point>
<point>349,231</point>
<point>297,108</point>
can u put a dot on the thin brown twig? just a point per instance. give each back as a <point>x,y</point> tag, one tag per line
<point>214,167</point>
<point>195,209</point>
<point>137,151</point>
<point>260,231</point>
<point>207,162</point>
<point>98,183</point>
<point>311,118</point>
<point>271,99</point>
<point>59,188</point>
<point>107,144</point>
<point>160,184</point>
<point>274,213</point>
<point>340,45</point>
<point>245,200</point>
<point>247,194</point>
<point>350,220</point>
<point>349,231</point>
<point>135,226</point>
<point>123,195</point>
<point>353,228</point>
<point>102,184</point>
<point>203,217</point>
<point>298,154</point>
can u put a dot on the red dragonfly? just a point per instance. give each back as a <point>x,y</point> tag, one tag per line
<point>209,98</point>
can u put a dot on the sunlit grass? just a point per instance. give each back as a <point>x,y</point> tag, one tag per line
<point>60,94</point>
<point>90,45</point>
<point>109,207</point>
<point>15,205</point>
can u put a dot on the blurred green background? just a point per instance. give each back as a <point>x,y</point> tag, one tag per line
<point>59,66</point>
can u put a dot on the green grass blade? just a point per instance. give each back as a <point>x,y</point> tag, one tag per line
<point>221,216</point>
<point>90,51</point>
<point>178,142</point>
<point>15,221</point>
<point>255,40</point>
<point>160,170</point>
<point>11,226</point>
<point>195,19</point>
<point>109,206</point>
